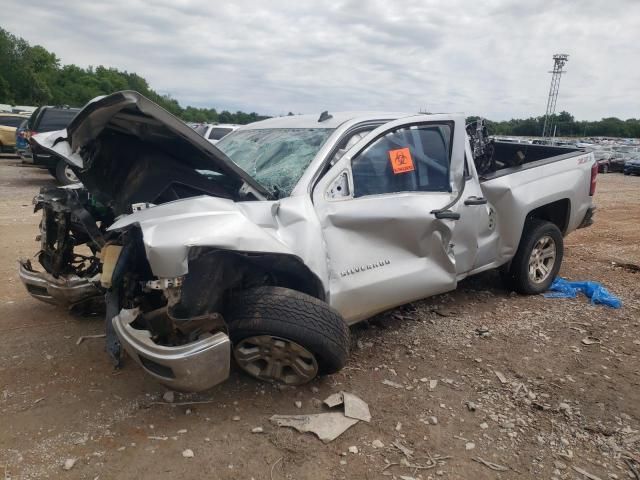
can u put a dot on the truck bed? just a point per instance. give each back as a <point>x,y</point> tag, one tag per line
<point>511,157</point>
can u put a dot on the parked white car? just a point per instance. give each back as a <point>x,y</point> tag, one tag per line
<point>214,132</point>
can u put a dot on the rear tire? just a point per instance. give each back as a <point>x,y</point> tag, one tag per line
<point>64,174</point>
<point>284,336</point>
<point>538,258</point>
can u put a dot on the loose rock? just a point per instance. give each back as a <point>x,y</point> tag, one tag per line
<point>169,397</point>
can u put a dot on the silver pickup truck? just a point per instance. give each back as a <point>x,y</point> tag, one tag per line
<point>267,246</point>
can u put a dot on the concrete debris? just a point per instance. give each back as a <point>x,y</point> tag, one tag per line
<point>353,449</point>
<point>188,453</point>
<point>591,341</point>
<point>469,446</point>
<point>235,418</point>
<point>500,376</point>
<point>69,463</point>
<point>377,444</point>
<point>334,400</point>
<point>392,384</point>
<point>432,420</point>
<point>565,408</point>
<point>560,465</point>
<point>298,404</point>
<point>484,425</point>
<point>471,406</point>
<point>257,430</point>
<point>433,384</point>
<point>169,397</point>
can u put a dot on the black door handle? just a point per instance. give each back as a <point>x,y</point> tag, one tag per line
<point>475,201</point>
<point>446,215</point>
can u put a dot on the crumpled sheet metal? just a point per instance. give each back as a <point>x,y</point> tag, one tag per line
<point>329,425</point>
<point>170,230</point>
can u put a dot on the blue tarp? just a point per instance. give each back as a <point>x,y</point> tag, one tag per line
<point>561,288</point>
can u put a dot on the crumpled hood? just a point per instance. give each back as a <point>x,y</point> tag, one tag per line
<point>123,143</point>
<point>169,231</point>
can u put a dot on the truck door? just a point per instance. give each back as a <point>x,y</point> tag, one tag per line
<point>388,211</point>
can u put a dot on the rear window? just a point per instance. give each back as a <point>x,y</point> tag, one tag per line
<point>218,133</point>
<point>55,119</point>
<point>8,121</point>
<point>201,129</point>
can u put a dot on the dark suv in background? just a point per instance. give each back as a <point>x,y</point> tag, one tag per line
<point>49,119</point>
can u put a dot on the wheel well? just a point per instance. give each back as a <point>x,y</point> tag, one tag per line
<point>556,212</point>
<point>214,274</point>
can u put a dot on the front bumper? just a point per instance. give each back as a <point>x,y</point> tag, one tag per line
<point>192,367</point>
<point>64,291</point>
<point>632,169</point>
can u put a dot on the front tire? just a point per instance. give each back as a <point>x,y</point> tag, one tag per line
<point>538,258</point>
<point>284,336</point>
<point>64,174</point>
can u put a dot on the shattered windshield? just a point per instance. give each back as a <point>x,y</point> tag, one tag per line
<point>275,158</point>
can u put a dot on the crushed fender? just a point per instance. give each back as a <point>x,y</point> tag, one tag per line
<point>599,295</point>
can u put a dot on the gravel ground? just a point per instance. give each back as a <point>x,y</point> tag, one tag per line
<point>518,394</point>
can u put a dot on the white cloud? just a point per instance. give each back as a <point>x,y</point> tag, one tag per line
<point>487,58</point>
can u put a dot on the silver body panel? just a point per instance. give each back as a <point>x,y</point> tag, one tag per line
<point>67,290</point>
<point>420,255</point>
<point>192,367</point>
<point>370,253</point>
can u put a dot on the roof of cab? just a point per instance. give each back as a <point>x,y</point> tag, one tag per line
<point>311,120</point>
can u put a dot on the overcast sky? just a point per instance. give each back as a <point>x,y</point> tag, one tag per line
<point>487,58</point>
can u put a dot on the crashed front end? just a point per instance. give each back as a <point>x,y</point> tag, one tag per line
<point>91,270</point>
<point>129,154</point>
<point>71,237</point>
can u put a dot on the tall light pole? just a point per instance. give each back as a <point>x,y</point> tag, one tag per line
<point>559,60</point>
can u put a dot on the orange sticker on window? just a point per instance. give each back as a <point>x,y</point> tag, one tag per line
<point>401,161</point>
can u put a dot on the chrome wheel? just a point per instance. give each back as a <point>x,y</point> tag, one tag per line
<point>275,359</point>
<point>70,174</point>
<point>542,259</point>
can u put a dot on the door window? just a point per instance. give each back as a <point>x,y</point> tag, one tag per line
<point>217,133</point>
<point>408,159</point>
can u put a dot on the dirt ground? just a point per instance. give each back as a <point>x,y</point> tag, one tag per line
<point>561,408</point>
